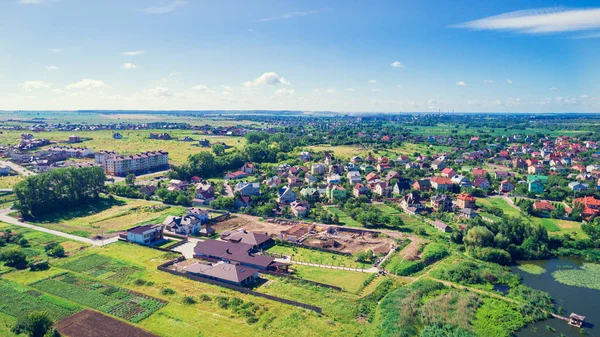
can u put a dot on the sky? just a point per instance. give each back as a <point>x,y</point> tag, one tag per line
<point>338,55</point>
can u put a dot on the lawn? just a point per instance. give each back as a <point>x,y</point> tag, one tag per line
<point>133,141</point>
<point>387,210</point>
<point>348,280</point>
<point>409,149</point>
<point>9,181</point>
<point>344,218</point>
<point>315,256</point>
<point>500,203</point>
<point>106,216</point>
<point>7,200</point>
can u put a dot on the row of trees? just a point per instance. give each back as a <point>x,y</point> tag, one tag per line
<point>57,189</point>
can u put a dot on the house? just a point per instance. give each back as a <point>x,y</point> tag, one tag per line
<point>591,206</point>
<point>438,164</point>
<point>382,188</point>
<point>401,160</point>
<point>441,226</point>
<point>576,186</point>
<point>256,240</point>
<point>246,188</point>
<point>248,168</point>
<point>336,168</point>
<point>401,185</point>
<point>536,186</point>
<point>479,172</point>
<point>148,190</point>
<point>366,168</point>
<point>441,183</point>
<point>543,206</point>
<point>177,185</point>
<point>300,209</point>
<point>465,201</point>
<point>482,183</point>
<point>318,169</point>
<point>351,167</point>
<point>411,203</point>
<point>382,167</point>
<point>4,169</point>
<point>461,181</point>
<point>242,201</point>
<point>238,275</point>
<point>448,172</point>
<point>205,193</point>
<point>274,181</point>
<point>328,157</point>
<point>441,202</point>
<point>535,169</point>
<point>333,178</point>
<point>294,181</point>
<point>506,186</point>
<point>500,175</point>
<point>186,224</point>
<point>286,195</point>
<point>304,156</point>
<point>392,175</point>
<point>467,213</point>
<point>237,253</point>
<point>236,175</point>
<point>310,179</point>
<point>359,189</point>
<point>145,235</point>
<point>353,177</point>
<point>372,178</point>
<point>310,193</point>
<point>356,160</point>
<point>335,192</point>
<point>422,185</point>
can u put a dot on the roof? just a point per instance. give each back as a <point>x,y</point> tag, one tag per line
<point>223,271</point>
<point>142,229</point>
<point>466,197</point>
<point>251,238</point>
<point>238,252</point>
<point>441,180</point>
<point>543,205</point>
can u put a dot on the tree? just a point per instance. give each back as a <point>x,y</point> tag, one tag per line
<point>479,236</point>
<point>35,324</point>
<point>57,251</point>
<point>218,149</point>
<point>14,257</point>
<point>130,179</point>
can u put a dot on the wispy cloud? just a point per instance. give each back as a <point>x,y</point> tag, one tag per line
<point>55,50</point>
<point>165,8</point>
<point>461,83</point>
<point>289,16</point>
<point>372,81</point>
<point>488,81</point>
<point>35,85</point>
<point>129,66</point>
<point>554,89</point>
<point>538,21</point>
<point>397,64</point>
<point>509,81</point>
<point>588,36</point>
<point>284,92</point>
<point>52,67</point>
<point>133,53</point>
<point>87,84</point>
<point>31,2</point>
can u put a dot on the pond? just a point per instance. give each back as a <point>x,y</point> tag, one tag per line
<point>580,300</point>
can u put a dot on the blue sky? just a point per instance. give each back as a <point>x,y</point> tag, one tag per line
<point>389,56</point>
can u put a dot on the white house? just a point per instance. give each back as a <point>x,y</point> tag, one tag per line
<point>354,177</point>
<point>145,235</point>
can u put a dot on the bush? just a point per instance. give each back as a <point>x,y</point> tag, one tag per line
<point>189,300</point>
<point>167,291</point>
<point>37,266</point>
<point>434,252</point>
<point>205,298</point>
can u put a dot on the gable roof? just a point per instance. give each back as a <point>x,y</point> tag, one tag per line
<point>222,270</point>
<point>239,252</point>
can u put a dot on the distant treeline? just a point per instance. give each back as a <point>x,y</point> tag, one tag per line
<point>55,189</point>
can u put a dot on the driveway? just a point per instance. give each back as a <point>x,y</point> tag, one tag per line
<point>18,168</point>
<point>187,249</point>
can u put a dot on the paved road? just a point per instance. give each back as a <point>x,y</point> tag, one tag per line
<point>8,219</point>
<point>18,168</point>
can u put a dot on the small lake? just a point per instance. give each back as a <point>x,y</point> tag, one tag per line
<point>582,301</point>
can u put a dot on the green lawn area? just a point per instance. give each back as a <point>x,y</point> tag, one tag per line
<point>500,203</point>
<point>347,151</point>
<point>7,200</point>
<point>387,210</point>
<point>9,181</point>
<point>349,280</point>
<point>345,219</point>
<point>315,256</point>
<point>106,216</point>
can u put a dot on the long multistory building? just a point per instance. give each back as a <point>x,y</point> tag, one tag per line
<point>140,163</point>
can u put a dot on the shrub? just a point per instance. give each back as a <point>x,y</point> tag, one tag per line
<point>189,300</point>
<point>167,291</point>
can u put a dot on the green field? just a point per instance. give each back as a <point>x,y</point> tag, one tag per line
<point>348,280</point>
<point>106,216</point>
<point>344,218</point>
<point>9,181</point>
<point>409,149</point>
<point>500,203</point>
<point>315,256</point>
<point>133,141</point>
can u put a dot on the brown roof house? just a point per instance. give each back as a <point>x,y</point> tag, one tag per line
<point>224,272</point>
<point>257,240</point>
<point>240,253</point>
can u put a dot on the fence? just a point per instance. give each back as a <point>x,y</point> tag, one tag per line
<point>164,267</point>
<point>301,279</point>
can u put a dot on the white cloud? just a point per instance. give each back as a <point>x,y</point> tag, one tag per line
<point>509,81</point>
<point>585,96</point>
<point>284,92</point>
<point>129,66</point>
<point>52,67</point>
<point>200,87</point>
<point>87,84</point>
<point>160,92</point>
<point>488,81</point>
<point>35,85</point>
<point>376,90</point>
<point>269,78</point>
<point>133,53</point>
<point>167,8</point>
<point>461,83</point>
<point>433,101</point>
<point>536,21</point>
<point>588,36</point>
<point>31,2</point>
<point>330,91</point>
<point>288,16</point>
<point>372,81</point>
<point>554,88</point>
<point>55,50</point>
<point>350,89</point>
<point>397,64</point>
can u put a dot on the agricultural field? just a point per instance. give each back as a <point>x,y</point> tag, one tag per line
<point>344,218</point>
<point>350,281</point>
<point>408,149</point>
<point>133,141</point>
<point>106,216</point>
<point>318,257</point>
